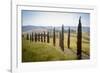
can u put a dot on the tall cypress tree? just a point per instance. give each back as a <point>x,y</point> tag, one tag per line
<point>44,37</point>
<point>41,37</point>
<point>54,39</point>
<point>62,38</point>
<point>68,42</point>
<point>32,37</point>
<point>27,37</point>
<point>35,37</point>
<point>48,38</point>
<point>79,40</point>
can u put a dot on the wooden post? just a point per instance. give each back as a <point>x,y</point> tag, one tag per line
<point>79,40</point>
<point>54,39</point>
<point>68,42</point>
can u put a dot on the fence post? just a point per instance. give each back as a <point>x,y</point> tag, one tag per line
<point>68,42</point>
<point>54,36</point>
<point>79,40</point>
<point>62,38</point>
<point>48,39</point>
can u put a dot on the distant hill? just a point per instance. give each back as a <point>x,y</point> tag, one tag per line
<point>50,28</point>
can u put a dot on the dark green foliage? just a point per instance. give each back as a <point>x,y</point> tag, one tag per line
<point>27,37</point>
<point>79,40</point>
<point>35,37</point>
<point>62,38</point>
<point>23,35</point>
<point>32,37</point>
<point>41,37</point>
<point>44,37</point>
<point>68,42</point>
<point>38,36</point>
<point>54,38</point>
<point>48,38</point>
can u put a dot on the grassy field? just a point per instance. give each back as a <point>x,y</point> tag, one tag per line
<point>73,42</point>
<point>37,51</point>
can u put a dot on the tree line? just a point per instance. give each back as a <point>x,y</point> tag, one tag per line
<point>45,37</point>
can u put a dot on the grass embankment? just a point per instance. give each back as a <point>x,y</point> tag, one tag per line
<point>33,52</point>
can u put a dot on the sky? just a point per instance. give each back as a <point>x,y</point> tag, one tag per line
<point>43,18</point>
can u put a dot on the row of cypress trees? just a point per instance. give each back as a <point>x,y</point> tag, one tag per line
<point>42,37</point>
<point>79,39</point>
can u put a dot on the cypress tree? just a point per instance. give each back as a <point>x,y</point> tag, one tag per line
<point>35,37</point>
<point>32,37</point>
<point>44,37</point>
<point>27,37</point>
<point>48,39</point>
<point>79,40</point>
<point>23,35</point>
<point>62,38</point>
<point>68,42</point>
<point>41,37</point>
<point>54,36</point>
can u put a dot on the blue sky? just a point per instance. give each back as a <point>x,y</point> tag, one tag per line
<point>40,18</point>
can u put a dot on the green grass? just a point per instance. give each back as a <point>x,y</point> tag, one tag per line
<point>33,52</point>
<point>37,51</point>
<point>73,42</point>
